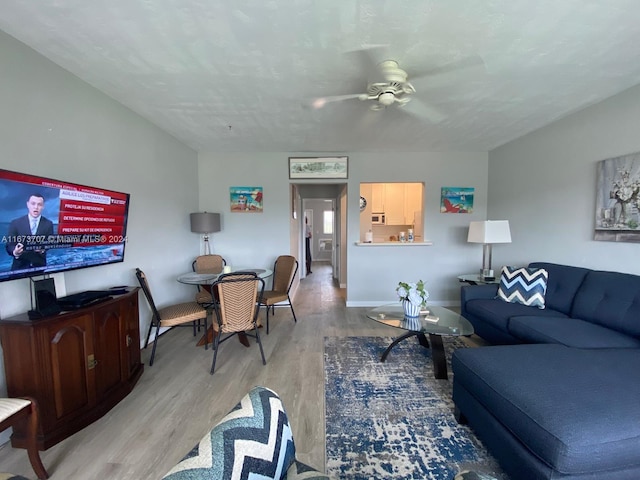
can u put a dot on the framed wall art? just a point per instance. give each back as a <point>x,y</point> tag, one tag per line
<point>618,199</point>
<point>318,167</point>
<point>246,199</point>
<point>456,199</point>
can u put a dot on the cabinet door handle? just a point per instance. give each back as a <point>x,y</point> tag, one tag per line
<point>128,340</point>
<point>91,362</point>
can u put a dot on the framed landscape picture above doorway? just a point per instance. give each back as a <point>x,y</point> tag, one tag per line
<point>318,167</point>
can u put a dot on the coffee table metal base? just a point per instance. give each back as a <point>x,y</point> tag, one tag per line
<point>437,351</point>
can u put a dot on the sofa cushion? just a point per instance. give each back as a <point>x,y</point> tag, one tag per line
<point>254,438</point>
<point>571,332</point>
<point>523,285</point>
<point>574,409</point>
<point>562,285</point>
<point>610,299</point>
<point>497,313</point>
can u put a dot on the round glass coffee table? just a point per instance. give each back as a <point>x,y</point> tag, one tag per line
<point>433,321</point>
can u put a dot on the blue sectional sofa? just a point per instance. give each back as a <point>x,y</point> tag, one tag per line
<point>558,397</point>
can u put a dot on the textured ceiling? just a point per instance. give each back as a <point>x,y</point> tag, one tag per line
<point>238,75</point>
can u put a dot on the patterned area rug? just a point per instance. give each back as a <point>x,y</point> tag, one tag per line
<point>394,419</point>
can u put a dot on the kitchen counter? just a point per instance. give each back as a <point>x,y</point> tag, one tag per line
<point>395,244</point>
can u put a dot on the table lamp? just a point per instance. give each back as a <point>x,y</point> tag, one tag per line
<point>489,232</point>
<point>207,223</point>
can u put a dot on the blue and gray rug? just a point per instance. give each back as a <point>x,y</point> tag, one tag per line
<point>393,419</point>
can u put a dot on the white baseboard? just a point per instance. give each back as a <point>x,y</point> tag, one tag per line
<point>371,303</point>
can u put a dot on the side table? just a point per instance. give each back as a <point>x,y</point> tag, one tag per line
<point>476,279</point>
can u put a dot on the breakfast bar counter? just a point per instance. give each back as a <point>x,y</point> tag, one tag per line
<point>394,244</point>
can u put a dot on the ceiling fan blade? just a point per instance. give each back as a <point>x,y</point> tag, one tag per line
<point>466,62</point>
<point>320,102</point>
<point>420,109</point>
<point>368,58</point>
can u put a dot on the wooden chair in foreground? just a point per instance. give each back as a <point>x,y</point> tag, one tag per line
<point>237,310</point>
<point>284,271</point>
<point>16,410</point>
<point>177,315</point>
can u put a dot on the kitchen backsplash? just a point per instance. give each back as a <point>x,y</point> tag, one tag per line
<point>383,233</point>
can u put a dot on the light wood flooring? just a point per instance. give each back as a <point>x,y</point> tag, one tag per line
<point>176,401</point>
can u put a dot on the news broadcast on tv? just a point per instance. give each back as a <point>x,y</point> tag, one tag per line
<point>49,226</point>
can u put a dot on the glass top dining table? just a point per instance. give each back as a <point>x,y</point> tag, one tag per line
<point>193,278</point>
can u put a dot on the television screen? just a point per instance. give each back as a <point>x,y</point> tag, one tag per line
<point>50,226</point>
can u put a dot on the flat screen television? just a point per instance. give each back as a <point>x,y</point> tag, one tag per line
<point>49,226</point>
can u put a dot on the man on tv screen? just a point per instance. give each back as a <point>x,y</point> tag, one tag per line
<point>26,233</point>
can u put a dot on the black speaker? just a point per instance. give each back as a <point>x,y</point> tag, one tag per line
<point>46,300</point>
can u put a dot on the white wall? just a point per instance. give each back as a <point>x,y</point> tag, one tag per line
<point>545,184</point>
<point>54,125</point>
<point>372,272</point>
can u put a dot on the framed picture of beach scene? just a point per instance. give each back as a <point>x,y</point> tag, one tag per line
<point>246,199</point>
<point>456,199</point>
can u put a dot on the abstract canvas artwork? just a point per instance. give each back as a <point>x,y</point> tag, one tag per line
<point>617,216</point>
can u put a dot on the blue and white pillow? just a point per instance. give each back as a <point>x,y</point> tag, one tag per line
<point>253,441</point>
<point>527,286</point>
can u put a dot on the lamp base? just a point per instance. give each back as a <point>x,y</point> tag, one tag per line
<point>488,274</point>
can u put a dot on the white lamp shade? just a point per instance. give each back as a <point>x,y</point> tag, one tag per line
<point>489,231</point>
<point>205,222</point>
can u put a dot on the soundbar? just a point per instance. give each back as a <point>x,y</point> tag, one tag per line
<point>83,299</point>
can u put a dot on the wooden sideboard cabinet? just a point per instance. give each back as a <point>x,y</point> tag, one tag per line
<point>77,365</point>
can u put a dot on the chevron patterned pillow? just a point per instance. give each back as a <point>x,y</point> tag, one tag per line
<point>254,440</point>
<point>527,286</point>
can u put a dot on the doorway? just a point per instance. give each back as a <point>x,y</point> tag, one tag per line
<point>323,207</point>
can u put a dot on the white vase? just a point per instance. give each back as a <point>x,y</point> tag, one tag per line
<point>411,309</point>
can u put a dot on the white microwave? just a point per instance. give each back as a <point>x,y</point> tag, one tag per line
<point>378,218</point>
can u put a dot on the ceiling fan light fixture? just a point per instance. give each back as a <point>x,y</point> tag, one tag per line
<point>319,103</point>
<point>386,98</point>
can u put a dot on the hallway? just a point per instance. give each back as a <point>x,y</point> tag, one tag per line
<point>319,287</point>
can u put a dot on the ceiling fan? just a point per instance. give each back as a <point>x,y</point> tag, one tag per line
<point>392,86</point>
<point>394,89</point>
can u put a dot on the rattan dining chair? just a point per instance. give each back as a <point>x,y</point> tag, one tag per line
<point>207,264</point>
<point>284,271</point>
<point>237,309</point>
<point>176,315</point>
<point>14,411</point>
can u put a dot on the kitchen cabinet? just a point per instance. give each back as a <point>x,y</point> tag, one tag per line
<point>412,201</point>
<point>377,198</point>
<point>398,201</point>
<point>394,203</point>
<point>77,365</point>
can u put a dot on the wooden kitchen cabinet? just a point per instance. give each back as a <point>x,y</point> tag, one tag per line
<point>394,203</point>
<point>377,198</point>
<point>77,365</point>
<point>412,201</point>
